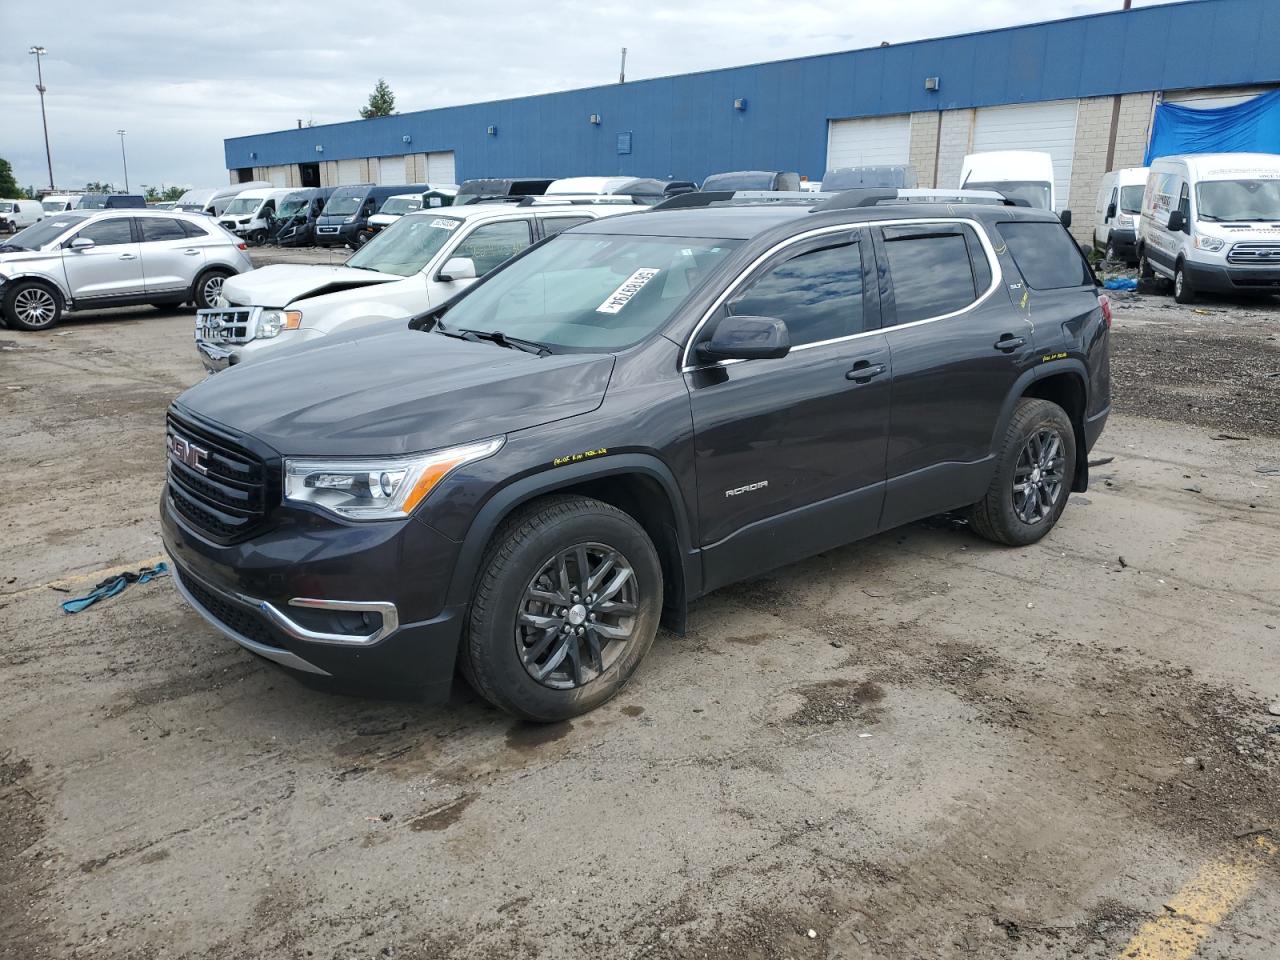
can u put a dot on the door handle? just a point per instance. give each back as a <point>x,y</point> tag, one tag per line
<point>128,256</point>
<point>1008,342</point>
<point>191,253</point>
<point>864,371</point>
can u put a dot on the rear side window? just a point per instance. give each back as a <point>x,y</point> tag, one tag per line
<point>161,228</point>
<point>192,230</point>
<point>1045,254</point>
<point>932,270</point>
<point>818,294</point>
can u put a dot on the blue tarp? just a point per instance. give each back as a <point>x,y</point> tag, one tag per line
<point>1249,127</point>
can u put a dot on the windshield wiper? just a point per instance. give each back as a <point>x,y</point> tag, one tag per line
<point>496,336</point>
<point>11,248</point>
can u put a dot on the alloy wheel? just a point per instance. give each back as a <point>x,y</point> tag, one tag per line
<point>1038,476</point>
<point>213,289</point>
<point>1177,284</point>
<point>577,615</point>
<point>35,306</point>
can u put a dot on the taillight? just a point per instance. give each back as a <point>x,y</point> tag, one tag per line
<point>245,246</point>
<point>1105,303</point>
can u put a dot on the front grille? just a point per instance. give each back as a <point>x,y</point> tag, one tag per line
<point>243,620</point>
<point>225,325</point>
<point>230,498</point>
<point>1262,254</point>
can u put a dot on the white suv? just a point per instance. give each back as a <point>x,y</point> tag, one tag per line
<point>419,261</point>
<point>87,259</point>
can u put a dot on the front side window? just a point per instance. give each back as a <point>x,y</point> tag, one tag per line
<point>817,293</point>
<point>107,233</point>
<point>406,246</point>
<point>492,244</point>
<point>553,225</point>
<point>932,271</point>
<point>589,291</point>
<point>1238,201</point>
<point>161,228</point>
<point>1045,254</point>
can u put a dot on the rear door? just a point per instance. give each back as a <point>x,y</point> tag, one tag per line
<point>170,259</point>
<point>111,268</point>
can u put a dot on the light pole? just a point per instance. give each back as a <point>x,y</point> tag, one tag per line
<point>40,52</point>
<point>124,160</point>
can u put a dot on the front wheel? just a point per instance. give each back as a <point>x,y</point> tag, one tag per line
<point>1183,291</point>
<point>1033,476</point>
<point>29,305</point>
<point>566,607</point>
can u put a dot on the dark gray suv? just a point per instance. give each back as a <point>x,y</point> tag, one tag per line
<point>526,480</point>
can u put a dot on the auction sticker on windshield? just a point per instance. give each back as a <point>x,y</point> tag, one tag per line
<point>444,224</point>
<point>629,288</point>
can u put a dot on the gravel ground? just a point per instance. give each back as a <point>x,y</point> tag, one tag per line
<point>916,746</point>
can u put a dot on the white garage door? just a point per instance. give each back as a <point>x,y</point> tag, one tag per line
<point>869,140</point>
<point>390,170</point>
<point>349,172</point>
<point>1048,127</point>
<point>440,167</point>
<point>278,175</point>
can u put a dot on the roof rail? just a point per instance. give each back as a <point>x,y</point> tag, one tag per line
<point>875,196</point>
<point>697,198</point>
<point>550,199</point>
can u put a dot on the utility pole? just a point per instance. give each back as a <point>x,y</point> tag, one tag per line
<point>622,71</point>
<point>39,52</point>
<point>124,160</point>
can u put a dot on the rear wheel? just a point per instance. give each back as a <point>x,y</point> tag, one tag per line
<point>1110,253</point>
<point>566,607</point>
<point>207,288</point>
<point>1144,266</point>
<point>31,305</point>
<point>1033,476</point>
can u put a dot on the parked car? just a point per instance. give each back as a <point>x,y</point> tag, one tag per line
<point>392,209</point>
<point>874,175</point>
<point>252,214</point>
<point>475,191</point>
<point>1018,174</point>
<point>752,180</point>
<point>346,213</point>
<point>1211,222</point>
<point>112,201</point>
<point>1116,211</point>
<point>18,214</point>
<point>87,259</point>
<point>60,202</point>
<point>417,263</point>
<point>297,214</point>
<point>639,411</point>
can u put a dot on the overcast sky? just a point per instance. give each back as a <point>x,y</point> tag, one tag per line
<point>179,77</point>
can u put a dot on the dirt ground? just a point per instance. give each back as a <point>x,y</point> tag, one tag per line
<point>917,746</point>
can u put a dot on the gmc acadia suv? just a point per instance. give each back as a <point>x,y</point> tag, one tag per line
<point>523,481</point>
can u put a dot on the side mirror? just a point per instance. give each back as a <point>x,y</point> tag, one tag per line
<point>1111,211</point>
<point>747,338</point>
<point>82,244</point>
<point>1177,221</point>
<point>458,268</point>
<point>1065,217</point>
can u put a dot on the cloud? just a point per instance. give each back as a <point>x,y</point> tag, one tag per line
<point>180,78</point>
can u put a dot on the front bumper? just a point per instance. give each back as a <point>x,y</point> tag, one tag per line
<point>328,235</point>
<point>1227,279</point>
<point>249,591</point>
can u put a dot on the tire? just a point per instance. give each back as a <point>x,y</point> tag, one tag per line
<point>32,305</point>
<point>207,288</point>
<point>520,588</point>
<point>1008,517</point>
<point>1144,266</point>
<point>1110,252</point>
<point>1183,291</point>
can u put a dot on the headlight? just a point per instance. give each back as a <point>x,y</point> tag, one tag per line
<point>1124,222</point>
<point>271,322</point>
<point>350,219</point>
<point>1208,243</point>
<point>377,489</point>
<point>245,220</point>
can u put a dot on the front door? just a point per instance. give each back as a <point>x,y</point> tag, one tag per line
<point>790,452</point>
<point>112,267</point>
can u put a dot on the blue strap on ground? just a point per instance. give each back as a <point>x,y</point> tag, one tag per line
<point>112,586</point>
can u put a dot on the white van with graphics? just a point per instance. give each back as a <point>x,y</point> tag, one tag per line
<point>1116,212</point>
<point>1211,222</point>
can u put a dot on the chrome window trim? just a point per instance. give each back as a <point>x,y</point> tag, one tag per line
<point>988,248</point>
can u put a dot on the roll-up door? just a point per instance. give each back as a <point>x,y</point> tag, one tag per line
<point>1048,127</point>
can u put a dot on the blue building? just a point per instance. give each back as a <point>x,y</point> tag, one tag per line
<point>1083,89</point>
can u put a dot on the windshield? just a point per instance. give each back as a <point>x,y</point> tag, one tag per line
<point>289,208</point>
<point>38,234</point>
<point>1131,199</point>
<point>401,205</point>
<point>1035,192</point>
<point>590,292</point>
<point>54,206</point>
<point>93,202</point>
<point>1236,201</point>
<point>344,204</point>
<point>406,246</point>
<point>7,206</point>
<point>243,205</point>
<point>745,180</point>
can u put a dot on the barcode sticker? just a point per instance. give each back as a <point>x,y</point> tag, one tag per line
<point>629,288</point>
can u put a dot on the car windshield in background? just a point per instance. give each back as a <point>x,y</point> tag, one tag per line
<point>343,206</point>
<point>1035,192</point>
<point>243,205</point>
<point>93,203</point>
<point>289,208</point>
<point>401,205</point>
<point>38,234</point>
<point>54,206</point>
<point>406,246</point>
<point>1131,199</point>
<point>1237,201</point>
<point>7,206</point>
<point>588,292</point>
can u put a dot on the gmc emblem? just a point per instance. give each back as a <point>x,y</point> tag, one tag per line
<point>187,453</point>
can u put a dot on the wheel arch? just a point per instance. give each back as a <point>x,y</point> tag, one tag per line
<point>1066,383</point>
<point>54,284</point>
<point>223,268</point>
<point>639,484</point>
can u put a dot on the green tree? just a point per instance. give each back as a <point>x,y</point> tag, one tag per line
<point>8,185</point>
<point>382,102</point>
<point>150,194</point>
<point>98,186</point>
<point>173,193</point>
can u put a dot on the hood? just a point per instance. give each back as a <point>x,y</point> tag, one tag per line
<point>282,283</point>
<point>16,257</point>
<point>394,392</point>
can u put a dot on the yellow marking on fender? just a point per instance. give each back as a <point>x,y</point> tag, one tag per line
<point>95,576</point>
<point>1202,903</point>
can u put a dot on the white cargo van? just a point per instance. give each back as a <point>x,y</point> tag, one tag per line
<point>1018,174</point>
<point>19,214</point>
<point>1116,211</point>
<point>60,202</point>
<point>1211,222</point>
<point>252,212</point>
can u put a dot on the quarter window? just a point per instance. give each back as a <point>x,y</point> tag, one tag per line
<point>107,233</point>
<point>161,228</point>
<point>818,294</point>
<point>1045,254</point>
<point>932,270</point>
<point>192,230</point>
<point>494,243</point>
<point>553,225</point>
